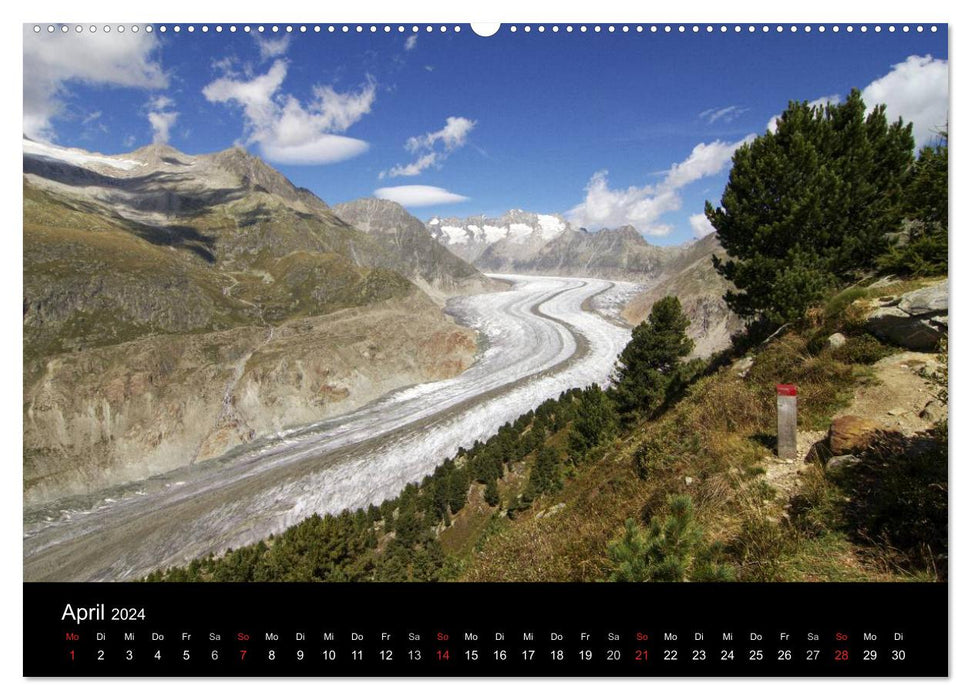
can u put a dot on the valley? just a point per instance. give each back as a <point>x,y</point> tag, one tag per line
<point>541,337</point>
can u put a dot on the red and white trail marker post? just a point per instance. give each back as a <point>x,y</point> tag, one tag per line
<point>785,401</point>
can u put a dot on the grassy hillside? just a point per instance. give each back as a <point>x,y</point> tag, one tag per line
<point>91,280</point>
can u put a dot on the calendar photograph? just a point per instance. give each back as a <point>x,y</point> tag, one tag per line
<point>375,304</point>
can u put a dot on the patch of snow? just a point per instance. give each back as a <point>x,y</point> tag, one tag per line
<point>456,234</point>
<point>433,222</point>
<point>550,226</point>
<point>520,230</point>
<point>495,233</point>
<point>77,157</point>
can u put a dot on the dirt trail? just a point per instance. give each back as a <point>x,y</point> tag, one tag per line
<point>894,399</point>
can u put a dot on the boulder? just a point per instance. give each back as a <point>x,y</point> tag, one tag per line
<point>934,411</point>
<point>926,300</point>
<point>916,320</point>
<point>837,340</point>
<point>850,434</point>
<point>819,452</point>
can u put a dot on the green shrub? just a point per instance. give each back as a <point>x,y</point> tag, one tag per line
<point>839,302</point>
<point>671,548</point>
<point>862,350</point>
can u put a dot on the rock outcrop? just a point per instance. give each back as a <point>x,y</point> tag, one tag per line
<point>916,320</point>
<point>119,413</point>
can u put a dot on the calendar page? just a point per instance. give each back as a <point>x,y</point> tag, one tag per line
<point>545,349</point>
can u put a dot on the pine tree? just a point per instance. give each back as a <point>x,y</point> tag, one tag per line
<point>672,548</point>
<point>921,249</point>
<point>458,490</point>
<point>545,475</point>
<point>595,422</point>
<point>652,359</point>
<point>629,555</point>
<point>492,493</point>
<point>809,204</point>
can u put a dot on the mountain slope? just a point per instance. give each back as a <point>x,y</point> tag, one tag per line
<point>175,306</point>
<point>228,208</point>
<point>691,277</point>
<point>432,266</point>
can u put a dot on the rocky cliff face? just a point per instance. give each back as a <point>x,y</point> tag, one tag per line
<point>118,413</point>
<point>175,306</point>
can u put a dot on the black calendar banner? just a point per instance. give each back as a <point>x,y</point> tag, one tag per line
<point>486,630</point>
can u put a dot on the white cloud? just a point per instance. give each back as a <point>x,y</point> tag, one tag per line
<point>271,48</point>
<point>414,168</point>
<point>916,90</point>
<point>724,114</point>
<point>160,103</point>
<point>452,135</point>
<point>700,225</point>
<point>288,131</point>
<point>642,207</point>
<point>255,95</point>
<point>224,65</point>
<point>52,61</point>
<point>705,159</point>
<point>161,123</point>
<point>323,149</point>
<point>411,42</point>
<point>433,147</point>
<point>637,206</point>
<point>418,195</point>
<point>161,117</point>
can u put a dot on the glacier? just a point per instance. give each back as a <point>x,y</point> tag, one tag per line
<point>541,337</point>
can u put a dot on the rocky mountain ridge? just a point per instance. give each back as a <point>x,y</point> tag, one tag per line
<point>525,242</point>
<point>175,306</point>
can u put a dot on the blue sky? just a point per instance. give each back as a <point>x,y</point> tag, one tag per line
<point>605,128</point>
